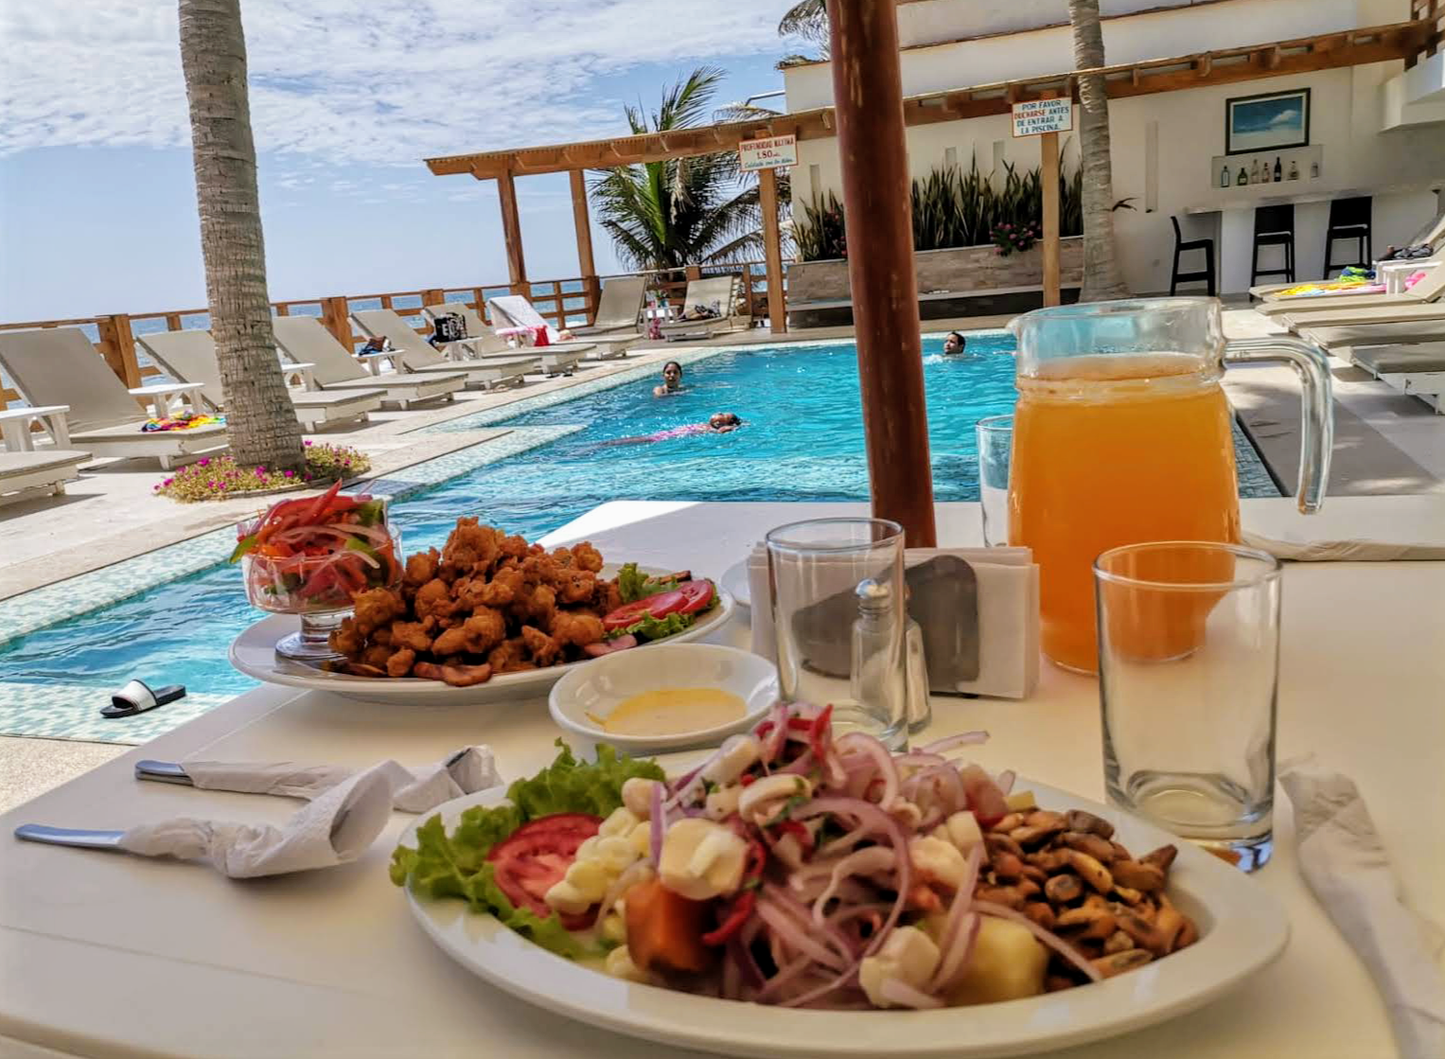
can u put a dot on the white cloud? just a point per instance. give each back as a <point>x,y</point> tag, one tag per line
<point>1285,118</point>
<point>380,81</point>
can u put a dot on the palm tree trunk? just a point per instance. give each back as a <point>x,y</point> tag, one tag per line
<point>1102,279</point>
<point>260,417</point>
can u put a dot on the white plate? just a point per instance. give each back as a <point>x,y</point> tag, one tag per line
<point>735,580</point>
<point>1242,929</point>
<point>254,653</point>
<point>600,688</point>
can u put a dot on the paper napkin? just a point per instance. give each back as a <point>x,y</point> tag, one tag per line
<point>1354,551</point>
<point>335,828</point>
<point>414,790</point>
<point>1345,864</point>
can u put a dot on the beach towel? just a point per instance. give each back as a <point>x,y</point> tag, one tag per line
<point>184,421</point>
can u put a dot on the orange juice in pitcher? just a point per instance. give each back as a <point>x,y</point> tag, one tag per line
<point>1123,435</point>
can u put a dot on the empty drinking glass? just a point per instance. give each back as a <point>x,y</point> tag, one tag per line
<point>1188,670</point>
<point>838,599</point>
<point>995,443</point>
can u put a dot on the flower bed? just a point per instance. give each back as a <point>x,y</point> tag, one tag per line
<point>221,477</point>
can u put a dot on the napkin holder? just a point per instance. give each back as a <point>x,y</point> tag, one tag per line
<point>978,609</point>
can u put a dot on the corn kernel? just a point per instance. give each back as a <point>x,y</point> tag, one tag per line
<point>621,822</point>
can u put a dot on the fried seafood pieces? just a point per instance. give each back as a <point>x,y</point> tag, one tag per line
<point>486,603</point>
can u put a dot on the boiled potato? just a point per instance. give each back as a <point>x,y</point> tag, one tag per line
<point>1007,963</point>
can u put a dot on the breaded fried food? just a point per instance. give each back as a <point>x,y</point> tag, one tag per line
<point>543,648</point>
<point>587,557</point>
<point>376,607</point>
<point>399,664</point>
<point>470,547</point>
<point>421,568</point>
<point>377,655</point>
<point>478,635</point>
<point>456,676</point>
<point>498,592</point>
<point>347,639</point>
<point>576,586</point>
<point>434,600</point>
<point>607,597</point>
<point>409,635</point>
<point>510,657</point>
<point>575,628</point>
<point>535,605</point>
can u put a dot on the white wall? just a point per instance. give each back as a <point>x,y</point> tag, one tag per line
<point>1345,121</point>
<point>1184,30</point>
<point>936,20</point>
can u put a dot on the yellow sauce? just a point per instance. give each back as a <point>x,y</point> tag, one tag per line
<point>672,711</point>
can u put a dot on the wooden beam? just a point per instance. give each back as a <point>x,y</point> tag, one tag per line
<point>512,233</point>
<point>583,223</point>
<point>772,252</point>
<point>872,147</point>
<point>117,346</point>
<point>1049,172</point>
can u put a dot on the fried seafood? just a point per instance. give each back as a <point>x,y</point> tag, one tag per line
<point>484,603</point>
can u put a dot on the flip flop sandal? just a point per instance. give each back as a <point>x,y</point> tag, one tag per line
<point>137,697</point>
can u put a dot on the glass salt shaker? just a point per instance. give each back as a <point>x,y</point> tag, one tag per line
<point>877,682</point>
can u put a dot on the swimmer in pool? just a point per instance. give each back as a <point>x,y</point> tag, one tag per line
<point>717,423</point>
<point>671,380</point>
<point>954,344</point>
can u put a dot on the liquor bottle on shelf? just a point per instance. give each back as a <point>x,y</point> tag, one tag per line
<point>1315,169</point>
<point>1224,180</point>
<point>1243,177</point>
<point>1254,172</point>
<point>1293,169</point>
<point>1278,170</point>
<point>1264,172</point>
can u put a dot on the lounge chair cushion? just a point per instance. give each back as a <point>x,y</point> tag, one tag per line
<point>58,365</point>
<point>133,432</point>
<point>13,464</point>
<point>1401,360</point>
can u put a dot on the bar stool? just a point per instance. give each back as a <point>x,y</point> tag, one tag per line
<point>1349,219</point>
<point>1274,226</point>
<point>1180,248</point>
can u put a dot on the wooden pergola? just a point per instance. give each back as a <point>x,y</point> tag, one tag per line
<point>866,56</point>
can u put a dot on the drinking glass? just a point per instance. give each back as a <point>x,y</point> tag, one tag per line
<point>1188,669</point>
<point>995,444</point>
<point>838,599</point>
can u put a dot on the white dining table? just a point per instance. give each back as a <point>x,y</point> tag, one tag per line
<point>109,955</point>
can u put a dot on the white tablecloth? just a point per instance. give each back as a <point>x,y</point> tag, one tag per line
<point>106,955</point>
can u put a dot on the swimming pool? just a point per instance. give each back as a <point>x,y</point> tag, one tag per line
<point>802,440</point>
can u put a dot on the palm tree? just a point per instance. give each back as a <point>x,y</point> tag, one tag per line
<point>260,417</point>
<point>807,19</point>
<point>682,211</point>
<point>1102,278</point>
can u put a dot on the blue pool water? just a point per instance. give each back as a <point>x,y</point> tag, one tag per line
<point>802,441</point>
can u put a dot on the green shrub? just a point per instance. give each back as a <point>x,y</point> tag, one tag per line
<point>221,477</point>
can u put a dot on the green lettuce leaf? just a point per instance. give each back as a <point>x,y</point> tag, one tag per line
<point>633,584</point>
<point>456,865</point>
<point>650,628</point>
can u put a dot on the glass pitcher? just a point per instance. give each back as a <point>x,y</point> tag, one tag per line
<point>1122,435</point>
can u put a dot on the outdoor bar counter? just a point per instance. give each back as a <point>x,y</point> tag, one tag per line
<point>110,955</point>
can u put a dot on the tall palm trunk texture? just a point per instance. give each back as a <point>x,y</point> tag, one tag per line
<point>1102,278</point>
<point>260,418</point>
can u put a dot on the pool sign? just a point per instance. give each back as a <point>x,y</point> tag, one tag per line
<point>775,152</point>
<point>1038,116</point>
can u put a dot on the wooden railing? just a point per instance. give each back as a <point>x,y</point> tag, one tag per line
<point>114,335</point>
<point>1432,11</point>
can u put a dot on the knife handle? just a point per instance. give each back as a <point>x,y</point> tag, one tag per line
<point>69,836</point>
<point>162,772</point>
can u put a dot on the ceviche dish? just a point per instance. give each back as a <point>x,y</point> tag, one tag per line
<point>803,867</point>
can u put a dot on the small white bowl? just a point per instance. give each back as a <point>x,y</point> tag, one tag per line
<point>602,684</point>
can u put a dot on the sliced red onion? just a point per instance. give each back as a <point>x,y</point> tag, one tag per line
<point>958,914</point>
<point>794,936</point>
<point>957,955</point>
<point>879,754</point>
<point>897,991</point>
<point>944,779</point>
<point>962,739</point>
<point>797,767</point>
<point>1048,937</point>
<point>918,759</point>
<point>802,916</point>
<point>782,978</point>
<point>656,822</point>
<point>636,872</point>
<point>864,862</point>
<point>1005,781</point>
<point>817,992</point>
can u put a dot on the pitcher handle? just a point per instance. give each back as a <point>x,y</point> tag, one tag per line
<point>1317,439</point>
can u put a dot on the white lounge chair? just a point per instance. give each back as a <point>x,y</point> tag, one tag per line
<point>717,293</point>
<point>517,311</point>
<point>305,341</point>
<point>482,343</point>
<point>618,309</point>
<point>191,356</point>
<point>415,355</point>
<point>1416,370</point>
<point>59,366</point>
<point>26,472</point>
<point>1430,288</point>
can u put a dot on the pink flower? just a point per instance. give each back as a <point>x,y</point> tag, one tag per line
<point>204,461</point>
<point>168,481</point>
<point>306,443</point>
<point>289,474</point>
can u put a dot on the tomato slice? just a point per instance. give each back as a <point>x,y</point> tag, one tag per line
<point>695,594</point>
<point>536,856</point>
<point>659,606</point>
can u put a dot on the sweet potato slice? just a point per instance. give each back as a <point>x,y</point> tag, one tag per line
<point>664,930</point>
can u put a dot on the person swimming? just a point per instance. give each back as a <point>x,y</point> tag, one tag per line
<point>671,380</point>
<point>717,423</point>
<point>954,344</point>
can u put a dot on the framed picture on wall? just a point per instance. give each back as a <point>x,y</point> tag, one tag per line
<point>1268,122</point>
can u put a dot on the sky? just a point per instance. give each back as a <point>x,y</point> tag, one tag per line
<point>97,200</point>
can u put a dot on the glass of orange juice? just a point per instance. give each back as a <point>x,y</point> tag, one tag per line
<point>1122,435</point>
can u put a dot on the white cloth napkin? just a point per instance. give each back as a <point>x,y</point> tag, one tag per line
<point>1345,864</point>
<point>414,790</point>
<point>335,828</point>
<point>1356,551</point>
<point>1008,615</point>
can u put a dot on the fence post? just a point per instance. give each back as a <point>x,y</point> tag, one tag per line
<point>433,296</point>
<point>117,346</point>
<point>336,319</point>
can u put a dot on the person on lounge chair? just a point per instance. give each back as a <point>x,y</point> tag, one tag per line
<point>954,344</point>
<point>671,380</point>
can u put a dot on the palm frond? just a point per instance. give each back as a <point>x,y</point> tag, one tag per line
<point>807,19</point>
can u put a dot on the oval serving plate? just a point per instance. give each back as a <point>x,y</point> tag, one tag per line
<point>1242,930</point>
<point>254,653</point>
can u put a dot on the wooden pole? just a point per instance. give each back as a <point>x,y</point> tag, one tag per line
<point>872,146</point>
<point>512,233</point>
<point>117,346</point>
<point>1049,170</point>
<point>772,252</point>
<point>583,223</point>
<point>336,318</point>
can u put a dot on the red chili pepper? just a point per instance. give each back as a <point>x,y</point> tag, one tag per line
<point>796,829</point>
<point>763,729</point>
<point>799,724</point>
<point>742,908</point>
<point>314,511</point>
<point>817,732</point>
<point>745,779</point>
